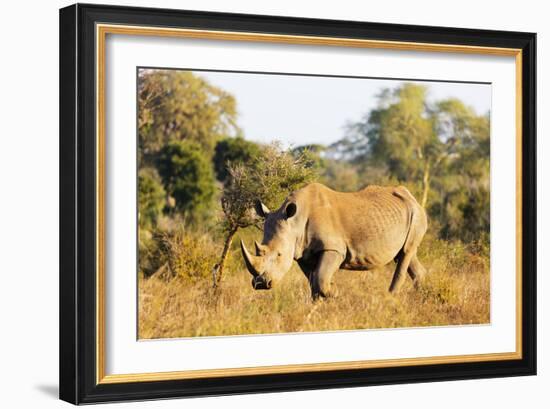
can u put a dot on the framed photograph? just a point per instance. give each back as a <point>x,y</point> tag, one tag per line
<point>257,203</point>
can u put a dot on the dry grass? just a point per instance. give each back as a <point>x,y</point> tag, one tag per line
<point>456,291</point>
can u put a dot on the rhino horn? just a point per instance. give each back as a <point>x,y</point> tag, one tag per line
<point>252,262</point>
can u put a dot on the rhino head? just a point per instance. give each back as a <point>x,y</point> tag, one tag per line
<point>273,257</point>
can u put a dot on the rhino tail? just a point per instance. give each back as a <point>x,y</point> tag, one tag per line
<point>418,222</point>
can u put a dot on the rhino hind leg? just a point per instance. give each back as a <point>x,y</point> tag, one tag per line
<point>403,263</point>
<point>407,261</point>
<point>321,279</point>
<point>416,271</point>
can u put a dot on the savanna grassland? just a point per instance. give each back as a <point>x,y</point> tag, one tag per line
<point>455,291</point>
<point>200,177</point>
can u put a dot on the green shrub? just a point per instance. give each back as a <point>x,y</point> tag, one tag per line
<point>187,175</point>
<point>191,256</point>
<point>233,151</point>
<point>151,197</point>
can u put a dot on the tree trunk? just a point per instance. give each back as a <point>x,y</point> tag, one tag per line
<point>425,184</point>
<point>218,270</point>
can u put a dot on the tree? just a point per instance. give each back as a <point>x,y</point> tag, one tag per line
<point>464,207</point>
<point>187,176</point>
<point>233,151</point>
<point>439,149</point>
<point>151,197</point>
<point>401,133</point>
<point>270,177</point>
<point>312,155</point>
<point>180,106</point>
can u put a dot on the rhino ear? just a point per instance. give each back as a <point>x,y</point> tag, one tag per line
<point>261,209</point>
<point>290,210</point>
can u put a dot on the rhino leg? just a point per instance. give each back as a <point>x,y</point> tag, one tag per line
<point>418,225</point>
<point>321,279</point>
<point>307,266</point>
<point>416,271</point>
<point>403,263</point>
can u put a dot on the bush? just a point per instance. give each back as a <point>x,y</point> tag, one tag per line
<point>233,151</point>
<point>270,177</point>
<point>151,197</point>
<point>151,256</point>
<point>187,175</point>
<point>190,255</point>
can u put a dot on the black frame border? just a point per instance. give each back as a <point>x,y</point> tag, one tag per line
<point>77,316</point>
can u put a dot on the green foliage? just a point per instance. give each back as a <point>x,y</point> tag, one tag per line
<point>270,177</point>
<point>233,151</point>
<point>462,203</point>
<point>401,134</point>
<point>151,197</point>
<point>311,155</point>
<point>463,212</point>
<point>439,150</point>
<point>187,176</point>
<point>180,106</point>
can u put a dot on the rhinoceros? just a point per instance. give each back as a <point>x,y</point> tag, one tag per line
<point>324,230</point>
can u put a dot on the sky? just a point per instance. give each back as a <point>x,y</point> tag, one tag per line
<point>299,110</point>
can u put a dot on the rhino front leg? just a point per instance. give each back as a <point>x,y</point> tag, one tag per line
<point>307,266</point>
<point>321,279</point>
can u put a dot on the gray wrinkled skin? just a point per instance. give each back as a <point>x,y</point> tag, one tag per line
<point>324,230</point>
